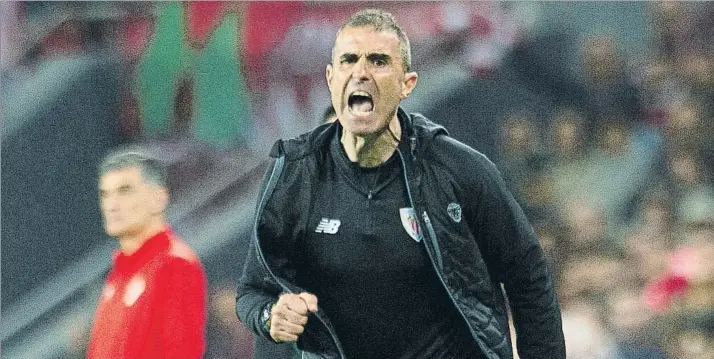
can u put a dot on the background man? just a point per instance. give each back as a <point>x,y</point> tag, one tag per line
<point>154,301</point>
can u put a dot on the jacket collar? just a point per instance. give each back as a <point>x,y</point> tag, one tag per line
<point>153,246</point>
<point>416,129</point>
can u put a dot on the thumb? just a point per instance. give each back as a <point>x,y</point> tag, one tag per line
<point>310,301</point>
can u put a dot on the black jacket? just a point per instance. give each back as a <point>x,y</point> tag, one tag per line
<point>491,243</point>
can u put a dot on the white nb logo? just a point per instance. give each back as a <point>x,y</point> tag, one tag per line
<point>329,226</point>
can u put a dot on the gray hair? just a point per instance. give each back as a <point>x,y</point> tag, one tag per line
<point>152,170</point>
<point>381,21</point>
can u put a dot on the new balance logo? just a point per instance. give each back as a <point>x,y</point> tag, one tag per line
<point>329,226</point>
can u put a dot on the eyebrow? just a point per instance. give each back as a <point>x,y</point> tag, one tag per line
<point>371,57</point>
<point>377,56</point>
<point>348,56</point>
<point>123,187</point>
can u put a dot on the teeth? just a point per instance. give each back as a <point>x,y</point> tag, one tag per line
<point>360,113</point>
<point>360,103</point>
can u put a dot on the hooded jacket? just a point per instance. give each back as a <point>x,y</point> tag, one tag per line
<point>476,236</point>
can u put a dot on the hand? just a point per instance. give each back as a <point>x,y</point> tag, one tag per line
<point>289,316</point>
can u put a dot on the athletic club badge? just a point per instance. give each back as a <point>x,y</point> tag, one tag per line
<point>133,290</point>
<point>410,223</point>
<point>108,292</point>
<point>454,211</point>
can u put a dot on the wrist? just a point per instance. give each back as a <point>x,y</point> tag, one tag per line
<point>266,317</point>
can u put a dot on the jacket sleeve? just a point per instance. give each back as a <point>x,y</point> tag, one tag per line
<point>516,255</point>
<point>184,320</point>
<point>255,291</point>
<point>257,286</point>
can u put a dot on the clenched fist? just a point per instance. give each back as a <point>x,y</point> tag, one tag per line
<point>290,314</point>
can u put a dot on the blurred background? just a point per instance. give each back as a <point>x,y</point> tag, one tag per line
<point>600,115</point>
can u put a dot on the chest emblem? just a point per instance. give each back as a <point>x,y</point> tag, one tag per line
<point>108,292</point>
<point>454,211</point>
<point>410,223</point>
<point>328,226</point>
<point>134,290</point>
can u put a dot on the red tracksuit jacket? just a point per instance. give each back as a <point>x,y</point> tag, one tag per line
<point>153,305</point>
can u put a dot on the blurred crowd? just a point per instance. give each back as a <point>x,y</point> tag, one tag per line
<point>619,188</point>
<point>618,181</point>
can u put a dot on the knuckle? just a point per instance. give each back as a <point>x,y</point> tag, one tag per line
<point>285,297</point>
<point>277,310</point>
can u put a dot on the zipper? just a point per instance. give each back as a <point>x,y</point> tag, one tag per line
<point>432,233</point>
<point>434,261</point>
<point>412,146</point>
<point>272,183</point>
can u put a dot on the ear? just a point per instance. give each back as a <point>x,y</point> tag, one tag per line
<point>160,200</point>
<point>410,81</point>
<point>328,76</point>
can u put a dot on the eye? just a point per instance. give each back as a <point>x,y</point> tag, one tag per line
<point>379,62</point>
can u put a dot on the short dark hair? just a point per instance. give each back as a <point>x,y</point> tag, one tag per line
<point>152,170</point>
<point>381,21</point>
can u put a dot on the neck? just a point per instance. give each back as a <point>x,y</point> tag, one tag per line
<point>132,242</point>
<point>373,149</point>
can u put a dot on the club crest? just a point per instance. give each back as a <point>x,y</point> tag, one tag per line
<point>108,292</point>
<point>410,223</point>
<point>454,211</point>
<point>133,290</point>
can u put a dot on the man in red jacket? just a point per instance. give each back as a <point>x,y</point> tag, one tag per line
<point>154,301</point>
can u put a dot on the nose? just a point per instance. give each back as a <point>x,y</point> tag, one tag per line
<point>360,71</point>
<point>109,204</point>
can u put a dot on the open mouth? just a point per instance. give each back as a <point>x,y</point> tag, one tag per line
<point>360,103</point>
